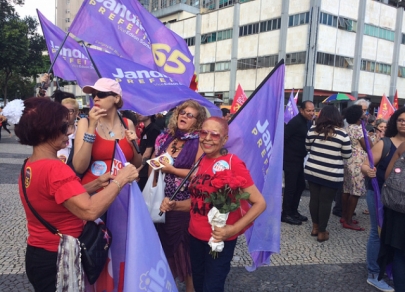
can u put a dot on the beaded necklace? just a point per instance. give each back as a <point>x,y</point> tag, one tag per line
<point>110,132</point>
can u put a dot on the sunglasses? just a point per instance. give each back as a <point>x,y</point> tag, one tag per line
<point>64,128</point>
<point>101,94</point>
<point>214,135</point>
<point>188,115</point>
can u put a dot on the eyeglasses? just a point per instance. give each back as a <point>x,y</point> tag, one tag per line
<point>64,128</point>
<point>214,135</point>
<point>188,115</point>
<point>401,121</point>
<point>101,94</point>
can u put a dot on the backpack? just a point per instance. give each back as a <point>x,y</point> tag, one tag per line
<point>393,190</point>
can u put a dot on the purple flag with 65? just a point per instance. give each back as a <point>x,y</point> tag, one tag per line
<point>125,28</point>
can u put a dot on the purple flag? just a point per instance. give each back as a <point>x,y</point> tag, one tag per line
<point>256,136</point>
<point>125,28</point>
<point>374,182</point>
<point>144,90</point>
<point>72,62</point>
<point>146,267</point>
<point>291,109</point>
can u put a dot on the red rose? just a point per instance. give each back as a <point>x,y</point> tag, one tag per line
<point>221,178</point>
<point>237,182</point>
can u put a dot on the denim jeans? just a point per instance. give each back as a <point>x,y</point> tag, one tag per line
<point>209,274</point>
<point>398,270</point>
<point>373,244</point>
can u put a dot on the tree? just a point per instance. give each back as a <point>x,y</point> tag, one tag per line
<point>21,46</point>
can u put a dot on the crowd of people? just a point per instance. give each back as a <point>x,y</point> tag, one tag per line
<point>329,151</point>
<point>78,179</point>
<point>78,182</point>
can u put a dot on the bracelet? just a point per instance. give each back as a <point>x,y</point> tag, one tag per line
<point>89,138</point>
<point>118,184</point>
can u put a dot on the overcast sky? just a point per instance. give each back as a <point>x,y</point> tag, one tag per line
<point>47,8</point>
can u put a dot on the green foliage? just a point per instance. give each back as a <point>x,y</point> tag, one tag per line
<point>21,49</point>
<point>225,199</point>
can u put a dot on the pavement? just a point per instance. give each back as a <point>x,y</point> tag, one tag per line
<point>303,264</point>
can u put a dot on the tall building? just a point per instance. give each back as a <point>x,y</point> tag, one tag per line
<point>329,46</point>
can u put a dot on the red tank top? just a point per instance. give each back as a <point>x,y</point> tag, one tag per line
<point>102,156</point>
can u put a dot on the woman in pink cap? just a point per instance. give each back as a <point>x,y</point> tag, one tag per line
<point>96,136</point>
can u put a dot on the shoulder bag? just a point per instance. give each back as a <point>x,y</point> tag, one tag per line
<point>95,240</point>
<point>154,196</point>
<point>393,190</point>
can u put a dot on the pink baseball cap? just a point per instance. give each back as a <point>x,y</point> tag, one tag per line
<point>104,85</point>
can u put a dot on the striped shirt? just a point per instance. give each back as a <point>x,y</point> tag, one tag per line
<point>325,162</point>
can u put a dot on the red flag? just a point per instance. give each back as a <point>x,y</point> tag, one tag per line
<point>395,104</point>
<point>386,109</point>
<point>239,98</point>
<point>194,83</point>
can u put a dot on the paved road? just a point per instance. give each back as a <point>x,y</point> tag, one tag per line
<point>302,265</point>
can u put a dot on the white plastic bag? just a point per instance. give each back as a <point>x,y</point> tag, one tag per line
<point>154,196</point>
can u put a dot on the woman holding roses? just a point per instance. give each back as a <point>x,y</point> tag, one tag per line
<point>209,273</point>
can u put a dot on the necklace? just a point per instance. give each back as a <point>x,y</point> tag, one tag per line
<point>110,132</point>
<point>174,147</point>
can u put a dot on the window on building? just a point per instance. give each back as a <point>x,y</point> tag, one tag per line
<point>67,20</point>
<point>208,38</point>
<point>325,59</point>
<point>379,32</point>
<point>190,41</point>
<point>204,68</point>
<point>298,19</point>
<point>249,29</point>
<point>328,19</point>
<point>224,34</point>
<point>209,4</point>
<point>271,24</point>
<point>347,24</point>
<point>295,58</point>
<point>401,71</point>
<point>267,61</point>
<point>244,64</point>
<point>222,66</point>
<point>224,3</point>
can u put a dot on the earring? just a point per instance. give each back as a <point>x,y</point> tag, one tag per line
<point>223,151</point>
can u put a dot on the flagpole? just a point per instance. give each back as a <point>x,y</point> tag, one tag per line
<point>136,146</point>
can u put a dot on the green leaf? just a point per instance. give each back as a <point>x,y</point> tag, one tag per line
<point>244,196</point>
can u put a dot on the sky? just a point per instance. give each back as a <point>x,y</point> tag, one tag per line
<point>47,8</point>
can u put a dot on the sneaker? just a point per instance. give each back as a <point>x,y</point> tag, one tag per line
<point>300,217</point>
<point>380,285</point>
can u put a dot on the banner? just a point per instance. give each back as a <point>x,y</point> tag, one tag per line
<point>146,91</point>
<point>125,28</point>
<point>291,109</point>
<point>146,266</point>
<point>386,109</point>
<point>256,135</point>
<point>72,62</point>
<point>395,104</point>
<point>238,100</point>
<point>296,97</point>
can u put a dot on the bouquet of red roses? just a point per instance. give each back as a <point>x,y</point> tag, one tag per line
<point>224,200</point>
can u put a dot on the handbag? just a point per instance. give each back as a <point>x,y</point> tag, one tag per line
<point>95,240</point>
<point>393,189</point>
<point>154,195</point>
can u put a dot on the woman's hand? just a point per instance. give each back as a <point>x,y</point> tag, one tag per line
<point>103,180</point>
<point>370,172</point>
<point>95,114</point>
<point>167,205</point>
<point>130,135</point>
<point>222,233</point>
<point>168,168</point>
<point>128,174</point>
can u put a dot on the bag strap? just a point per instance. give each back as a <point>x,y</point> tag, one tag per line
<point>50,227</point>
<point>386,147</point>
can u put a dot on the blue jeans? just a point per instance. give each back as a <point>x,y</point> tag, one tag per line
<point>209,274</point>
<point>398,270</point>
<point>373,244</point>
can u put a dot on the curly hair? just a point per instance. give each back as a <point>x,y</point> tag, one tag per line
<point>201,116</point>
<point>328,119</point>
<point>353,114</point>
<point>392,129</point>
<point>42,120</point>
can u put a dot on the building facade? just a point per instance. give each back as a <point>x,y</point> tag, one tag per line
<point>329,46</point>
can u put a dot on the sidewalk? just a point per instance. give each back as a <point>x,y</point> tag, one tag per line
<point>302,265</point>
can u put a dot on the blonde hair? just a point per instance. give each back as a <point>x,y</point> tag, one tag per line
<point>71,101</point>
<point>200,118</point>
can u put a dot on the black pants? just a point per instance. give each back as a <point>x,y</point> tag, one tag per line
<point>294,186</point>
<point>5,128</point>
<point>320,204</point>
<point>40,266</point>
<point>338,201</point>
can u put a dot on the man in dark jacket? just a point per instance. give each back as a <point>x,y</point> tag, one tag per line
<point>294,153</point>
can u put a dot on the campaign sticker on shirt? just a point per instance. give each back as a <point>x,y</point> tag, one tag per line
<point>98,168</point>
<point>220,166</point>
<point>27,177</point>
